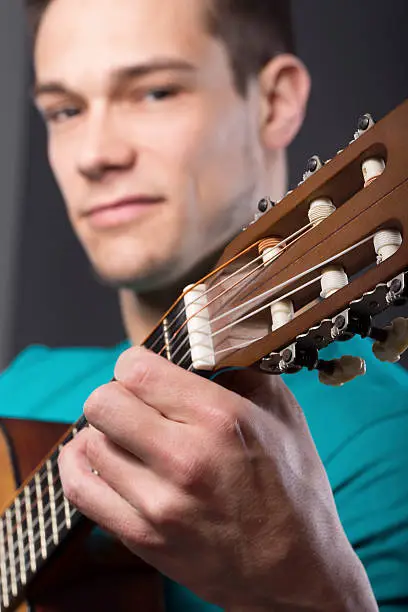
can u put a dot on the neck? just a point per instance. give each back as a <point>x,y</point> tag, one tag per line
<point>142,311</point>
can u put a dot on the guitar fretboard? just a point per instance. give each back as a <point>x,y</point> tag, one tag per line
<point>33,526</point>
<point>40,517</point>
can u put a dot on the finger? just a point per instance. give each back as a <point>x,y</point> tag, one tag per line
<point>181,396</point>
<point>131,423</point>
<point>94,498</point>
<point>156,499</point>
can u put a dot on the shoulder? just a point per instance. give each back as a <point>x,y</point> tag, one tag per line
<point>53,384</point>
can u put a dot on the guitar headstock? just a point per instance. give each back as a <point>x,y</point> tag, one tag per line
<point>316,267</point>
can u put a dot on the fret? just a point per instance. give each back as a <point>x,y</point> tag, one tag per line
<point>155,341</point>
<point>40,515</point>
<point>20,542</point>
<point>10,543</point>
<point>3,566</point>
<point>30,532</point>
<point>170,339</point>
<point>166,336</point>
<point>181,351</point>
<point>67,509</point>
<point>50,478</point>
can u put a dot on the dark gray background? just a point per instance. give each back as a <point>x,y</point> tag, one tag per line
<point>357,52</point>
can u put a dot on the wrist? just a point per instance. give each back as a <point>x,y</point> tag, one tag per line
<point>341,585</point>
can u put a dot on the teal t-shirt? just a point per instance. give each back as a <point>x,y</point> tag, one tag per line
<point>360,430</point>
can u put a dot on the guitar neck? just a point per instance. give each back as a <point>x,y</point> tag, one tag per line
<point>41,518</point>
<point>34,525</point>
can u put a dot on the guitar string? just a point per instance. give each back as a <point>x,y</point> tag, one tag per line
<point>251,314</point>
<point>259,269</point>
<point>283,244</point>
<point>175,352</point>
<point>283,285</point>
<point>265,306</point>
<point>270,292</point>
<point>262,267</point>
<point>261,296</point>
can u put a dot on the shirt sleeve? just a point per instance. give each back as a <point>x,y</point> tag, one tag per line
<point>371,493</point>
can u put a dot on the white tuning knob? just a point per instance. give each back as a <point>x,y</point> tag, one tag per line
<point>396,343</point>
<point>345,369</point>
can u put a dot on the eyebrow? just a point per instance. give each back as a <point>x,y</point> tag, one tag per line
<point>119,76</point>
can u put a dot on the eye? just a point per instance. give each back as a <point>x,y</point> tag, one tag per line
<point>161,93</point>
<point>60,115</point>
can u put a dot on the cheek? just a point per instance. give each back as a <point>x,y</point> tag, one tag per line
<point>223,171</point>
<point>61,166</point>
<point>201,150</point>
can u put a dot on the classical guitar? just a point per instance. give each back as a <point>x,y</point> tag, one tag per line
<point>316,268</point>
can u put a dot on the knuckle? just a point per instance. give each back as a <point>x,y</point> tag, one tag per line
<point>165,511</point>
<point>222,420</point>
<point>96,401</point>
<point>73,491</point>
<point>189,472</point>
<point>139,375</point>
<point>96,449</point>
<point>145,538</point>
<point>132,368</point>
<point>71,485</point>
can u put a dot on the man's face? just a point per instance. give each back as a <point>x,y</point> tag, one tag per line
<point>151,145</point>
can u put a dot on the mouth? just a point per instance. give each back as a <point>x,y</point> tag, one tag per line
<point>120,212</point>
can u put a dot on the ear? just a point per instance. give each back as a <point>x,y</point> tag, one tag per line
<point>284,88</point>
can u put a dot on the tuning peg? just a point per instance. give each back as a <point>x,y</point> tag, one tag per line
<point>337,372</point>
<point>365,122</point>
<point>395,343</point>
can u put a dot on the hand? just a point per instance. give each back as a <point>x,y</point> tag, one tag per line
<point>221,491</point>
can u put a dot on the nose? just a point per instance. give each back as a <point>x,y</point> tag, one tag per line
<point>105,149</point>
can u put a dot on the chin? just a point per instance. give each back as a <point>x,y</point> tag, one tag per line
<point>137,278</point>
<point>126,260</point>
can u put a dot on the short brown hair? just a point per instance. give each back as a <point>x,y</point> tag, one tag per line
<point>253,31</point>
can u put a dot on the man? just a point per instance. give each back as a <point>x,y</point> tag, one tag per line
<point>166,123</point>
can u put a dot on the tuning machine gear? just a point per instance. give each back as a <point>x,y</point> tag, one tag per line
<point>334,373</point>
<point>264,206</point>
<point>341,330</point>
<point>313,165</point>
<point>389,342</point>
<point>398,291</point>
<point>281,363</point>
